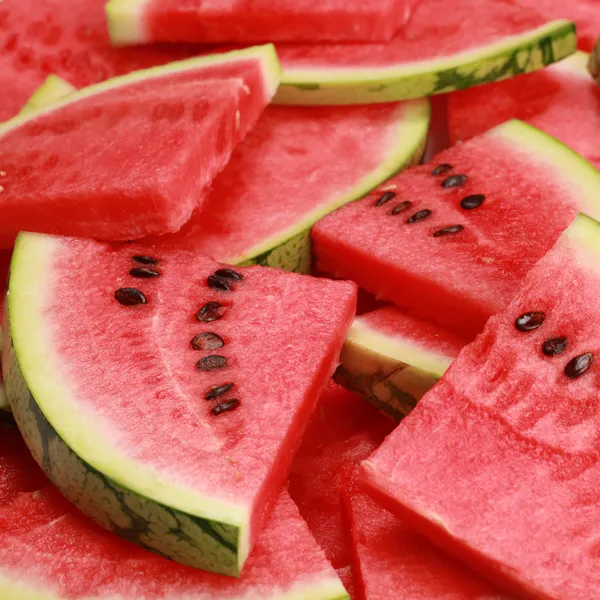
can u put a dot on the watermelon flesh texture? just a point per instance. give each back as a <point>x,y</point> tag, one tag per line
<point>4,267</point>
<point>561,100</point>
<point>146,406</point>
<point>498,463</point>
<point>251,21</point>
<point>501,240</point>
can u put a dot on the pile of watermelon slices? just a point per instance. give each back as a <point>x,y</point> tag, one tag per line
<point>301,300</point>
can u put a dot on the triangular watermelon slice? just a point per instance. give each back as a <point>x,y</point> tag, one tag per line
<point>165,395</point>
<point>131,156</point>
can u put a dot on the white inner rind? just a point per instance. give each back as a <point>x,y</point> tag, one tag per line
<point>575,65</point>
<point>52,90</point>
<point>126,22</point>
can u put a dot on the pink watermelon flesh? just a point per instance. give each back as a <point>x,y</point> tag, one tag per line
<point>456,280</point>
<point>49,546</point>
<point>562,100</point>
<point>499,462</point>
<point>277,374</point>
<point>249,21</point>
<point>39,37</point>
<point>294,161</point>
<point>61,172</point>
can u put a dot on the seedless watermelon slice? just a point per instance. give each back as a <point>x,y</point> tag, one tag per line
<point>561,100</point>
<point>438,50</point>
<point>194,386</point>
<point>392,358</point>
<point>456,237</point>
<point>499,462</point>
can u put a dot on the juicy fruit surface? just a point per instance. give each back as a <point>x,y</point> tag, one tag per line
<point>461,278</point>
<point>507,437</point>
<point>223,467</point>
<point>560,100</point>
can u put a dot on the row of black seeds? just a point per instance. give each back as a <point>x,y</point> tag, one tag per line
<point>130,296</point>
<point>577,366</point>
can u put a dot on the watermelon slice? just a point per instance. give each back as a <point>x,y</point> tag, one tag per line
<point>499,462</point>
<point>166,443</point>
<point>251,21</point>
<point>452,239</point>
<point>392,358</point>
<point>438,50</point>
<point>154,159</point>
<point>560,100</point>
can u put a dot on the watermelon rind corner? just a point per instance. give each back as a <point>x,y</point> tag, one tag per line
<point>585,234</point>
<point>512,56</point>
<point>121,495</point>
<point>126,22</point>
<point>54,88</point>
<point>291,249</point>
<point>390,373</point>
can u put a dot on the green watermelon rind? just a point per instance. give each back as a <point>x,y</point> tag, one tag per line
<point>513,56</point>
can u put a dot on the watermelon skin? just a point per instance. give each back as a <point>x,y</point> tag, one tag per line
<point>198,501</point>
<point>506,436</point>
<point>594,63</point>
<point>560,100</point>
<point>392,359</point>
<point>407,265</point>
<point>478,42</point>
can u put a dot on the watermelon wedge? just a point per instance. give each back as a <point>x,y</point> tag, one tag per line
<point>153,159</point>
<point>451,240</point>
<point>166,444</point>
<point>499,462</point>
<point>560,100</point>
<point>437,50</point>
<point>392,358</point>
<point>251,21</point>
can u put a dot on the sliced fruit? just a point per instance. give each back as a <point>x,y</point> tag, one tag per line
<point>164,394</point>
<point>499,461</point>
<point>459,235</point>
<point>153,159</point>
<point>476,42</point>
<point>560,100</point>
<point>392,358</point>
<point>251,21</point>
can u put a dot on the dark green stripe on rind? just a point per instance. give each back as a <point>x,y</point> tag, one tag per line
<point>187,539</point>
<point>360,87</point>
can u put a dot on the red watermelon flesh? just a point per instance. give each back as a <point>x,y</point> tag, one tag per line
<point>4,266</point>
<point>39,37</point>
<point>499,462</point>
<point>561,100</point>
<point>460,278</point>
<point>48,547</point>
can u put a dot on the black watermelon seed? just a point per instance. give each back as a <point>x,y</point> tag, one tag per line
<point>452,229</point>
<point>555,346</point>
<point>530,321</point>
<point>441,169</point>
<point>144,273</point>
<point>577,366</point>
<point>229,274</point>
<point>385,198</point>
<point>454,181</point>
<point>207,341</point>
<point>211,363</point>
<point>211,311</point>
<point>472,201</point>
<point>130,296</point>
<point>215,282</point>
<point>216,391</point>
<point>399,208</point>
<point>226,406</point>
<point>145,260</point>
<point>419,216</point>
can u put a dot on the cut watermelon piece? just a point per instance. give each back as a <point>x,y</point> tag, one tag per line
<point>467,227</point>
<point>153,159</point>
<point>499,462</point>
<point>50,550</point>
<point>392,358</point>
<point>178,422</point>
<point>251,21</point>
<point>478,41</point>
<point>560,100</point>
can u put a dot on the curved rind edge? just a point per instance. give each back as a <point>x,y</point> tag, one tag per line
<point>527,52</point>
<point>54,88</point>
